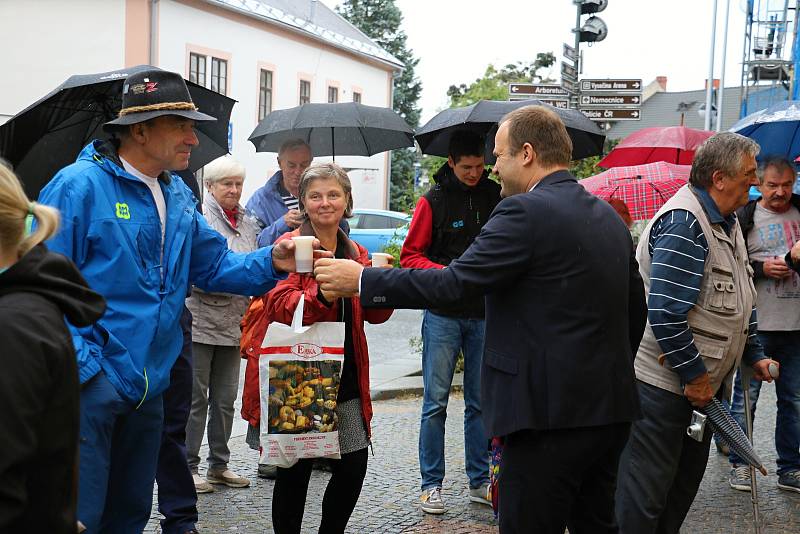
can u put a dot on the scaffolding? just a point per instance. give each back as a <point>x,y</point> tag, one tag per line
<point>769,60</point>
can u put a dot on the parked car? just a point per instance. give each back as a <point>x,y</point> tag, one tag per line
<point>373,229</point>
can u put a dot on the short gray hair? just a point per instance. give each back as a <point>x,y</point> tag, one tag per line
<point>779,163</point>
<point>318,171</point>
<point>722,152</point>
<point>221,168</point>
<point>293,144</point>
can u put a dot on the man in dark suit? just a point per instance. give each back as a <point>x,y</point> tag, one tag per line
<point>565,311</point>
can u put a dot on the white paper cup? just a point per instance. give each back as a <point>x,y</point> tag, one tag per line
<point>380,258</point>
<point>303,253</point>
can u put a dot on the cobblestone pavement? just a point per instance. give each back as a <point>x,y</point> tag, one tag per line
<point>389,500</point>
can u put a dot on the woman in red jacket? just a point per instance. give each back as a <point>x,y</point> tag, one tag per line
<point>325,198</point>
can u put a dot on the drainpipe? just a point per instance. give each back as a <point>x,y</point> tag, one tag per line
<point>153,31</point>
<point>312,11</point>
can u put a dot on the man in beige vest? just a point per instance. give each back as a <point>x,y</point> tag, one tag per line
<point>701,323</point>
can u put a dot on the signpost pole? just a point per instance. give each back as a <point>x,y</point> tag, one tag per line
<point>710,82</point>
<point>578,63</point>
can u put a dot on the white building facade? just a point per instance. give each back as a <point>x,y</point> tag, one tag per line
<point>266,54</point>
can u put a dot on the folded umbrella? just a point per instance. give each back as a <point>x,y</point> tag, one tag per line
<point>672,144</point>
<point>50,133</point>
<point>483,116</point>
<point>723,423</point>
<point>345,129</point>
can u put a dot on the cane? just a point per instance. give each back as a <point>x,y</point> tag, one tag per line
<point>744,377</point>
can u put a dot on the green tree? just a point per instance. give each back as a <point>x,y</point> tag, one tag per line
<point>380,20</point>
<point>494,83</point>
<point>587,167</point>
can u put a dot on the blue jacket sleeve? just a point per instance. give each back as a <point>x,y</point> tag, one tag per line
<point>213,267</point>
<point>270,233</point>
<point>70,240</point>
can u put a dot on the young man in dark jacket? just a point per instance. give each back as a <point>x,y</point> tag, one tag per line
<point>446,221</point>
<point>771,225</point>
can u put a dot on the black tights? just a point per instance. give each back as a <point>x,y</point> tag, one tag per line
<point>341,495</point>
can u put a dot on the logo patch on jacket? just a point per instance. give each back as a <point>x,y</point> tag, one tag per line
<point>122,211</point>
<point>458,224</point>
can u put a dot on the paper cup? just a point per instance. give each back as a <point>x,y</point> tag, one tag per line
<point>304,253</point>
<point>380,258</point>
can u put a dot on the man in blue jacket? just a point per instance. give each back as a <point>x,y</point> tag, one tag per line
<point>275,203</point>
<point>133,230</point>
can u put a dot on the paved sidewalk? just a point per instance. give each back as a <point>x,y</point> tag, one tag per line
<point>389,500</point>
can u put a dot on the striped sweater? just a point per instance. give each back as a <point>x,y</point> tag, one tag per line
<point>678,250</point>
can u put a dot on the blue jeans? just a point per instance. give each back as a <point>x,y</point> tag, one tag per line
<point>784,347</point>
<point>442,340</point>
<point>118,455</point>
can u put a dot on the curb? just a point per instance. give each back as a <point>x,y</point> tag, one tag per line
<point>410,385</point>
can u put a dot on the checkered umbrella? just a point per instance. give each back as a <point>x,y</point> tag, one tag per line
<point>643,188</point>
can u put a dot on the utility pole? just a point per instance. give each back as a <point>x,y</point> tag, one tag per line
<point>722,73</point>
<point>710,82</point>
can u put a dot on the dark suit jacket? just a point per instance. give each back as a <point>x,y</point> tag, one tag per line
<point>565,308</point>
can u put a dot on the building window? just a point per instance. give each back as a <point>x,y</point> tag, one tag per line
<point>333,95</point>
<point>356,97</point>
<point>219,75</point>
<point>265,94</point>
<point>305,92</point>
<point>197,69</point>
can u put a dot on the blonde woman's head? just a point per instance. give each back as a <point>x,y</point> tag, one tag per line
<point>14,211</point>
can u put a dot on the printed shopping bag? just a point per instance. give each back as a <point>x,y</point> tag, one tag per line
<point>299,372</point>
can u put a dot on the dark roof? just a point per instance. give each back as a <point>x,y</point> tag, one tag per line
<point>323,24</point>
<point>661,109</point>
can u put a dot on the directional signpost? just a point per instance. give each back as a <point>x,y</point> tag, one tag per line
<point>537,90</point>
<point>611,100</point>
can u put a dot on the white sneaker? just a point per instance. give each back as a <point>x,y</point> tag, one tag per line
<point>480,494</point>
<point>201,485</point>
<point>431,501</point>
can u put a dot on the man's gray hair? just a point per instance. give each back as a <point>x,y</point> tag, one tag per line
<point>722,152</point>
<point>292,144</point>
<point>221,168</point>
<point>779,163</point>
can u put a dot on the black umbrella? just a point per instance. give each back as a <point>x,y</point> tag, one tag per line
<point>483,116</point>
<point>50,133</point>
<point>346,129</point>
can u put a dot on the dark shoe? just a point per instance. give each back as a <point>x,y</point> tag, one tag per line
<point>740,477</point>
<point>267,471</point>
<point>790,481</point>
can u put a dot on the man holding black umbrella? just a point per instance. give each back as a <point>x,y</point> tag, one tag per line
<point>133,231</point>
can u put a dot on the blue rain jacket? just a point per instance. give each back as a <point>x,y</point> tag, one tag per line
<point>110,228</point>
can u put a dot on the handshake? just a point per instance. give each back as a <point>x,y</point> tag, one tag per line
<point>337,278</point>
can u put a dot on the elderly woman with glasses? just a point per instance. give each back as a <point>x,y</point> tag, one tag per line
<point>216,333</point>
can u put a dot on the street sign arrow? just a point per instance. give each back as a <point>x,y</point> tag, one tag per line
<point>611,100</point>
<point>613,114</point>
<point>569,85</point>
<point>627,85</point>
<point>535,89</point>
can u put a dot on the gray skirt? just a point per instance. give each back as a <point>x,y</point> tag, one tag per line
<point>352,431</point>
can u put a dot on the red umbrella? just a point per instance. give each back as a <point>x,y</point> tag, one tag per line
<point>643,197</point>
<point>673,144</point>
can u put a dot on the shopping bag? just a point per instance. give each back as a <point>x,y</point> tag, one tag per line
<point>300,368</point>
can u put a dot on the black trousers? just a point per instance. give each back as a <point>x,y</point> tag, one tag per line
<point>177,499</point>
<point>341,495</point>
<point>554,479</point>
<point>661,467</point>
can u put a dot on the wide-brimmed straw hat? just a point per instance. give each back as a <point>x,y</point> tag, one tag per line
<point>153,93</point>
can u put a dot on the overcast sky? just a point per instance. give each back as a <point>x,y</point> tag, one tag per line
<point>456,39</point>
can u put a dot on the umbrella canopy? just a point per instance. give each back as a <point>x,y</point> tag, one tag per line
<point>651,171</point>
<point>776,129</point>
<point>642,196</point>
<point>483,116</point>
<point>673,144</point>
<point>345,129</point>
<point>723,423</point>
<point>50,133</point>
